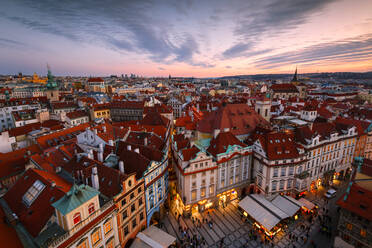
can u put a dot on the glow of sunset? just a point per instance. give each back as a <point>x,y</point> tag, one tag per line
<point>185,38</point>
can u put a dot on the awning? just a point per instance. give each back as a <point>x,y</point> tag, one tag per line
<point>287,204</point>
<point>263,211</point>
<point>308,204</point>
<point>153,237</point>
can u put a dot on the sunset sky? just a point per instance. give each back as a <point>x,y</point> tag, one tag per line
<point>185,38</point>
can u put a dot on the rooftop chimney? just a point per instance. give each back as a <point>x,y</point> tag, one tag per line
<point>216,132</point>
<point>100,156</point>
<point>121,166</point>
<point>95,179</point>
<point>136,150</point>
<point>104,129</point>
<point>226,129</point>
<point>145,141</point>
<point>111,142</point>
<point>129,147</point>
<point>100,146</point>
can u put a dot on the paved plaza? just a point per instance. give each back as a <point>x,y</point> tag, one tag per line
<point>229,226</point>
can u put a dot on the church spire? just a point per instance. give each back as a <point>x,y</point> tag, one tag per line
<point>295,76</point>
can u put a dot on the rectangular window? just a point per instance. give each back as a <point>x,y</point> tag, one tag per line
<point>211,190</point>
<point>126,231</point>
<point>134,223</point>
<point>140,202</point>
<point>141,216</point>
<point>291,171</point>
<point>107,227</point>
<point>283,171</point>
<point>124,215</point>
<point>202,192</point>
<point>281,185</point>
<point>363,232</point>
<point>96,237</point>
<point>349,226</point>
<point>133,208</point>
<point>193,195</point>
<point>131,196</point>
<point>273,186</point>
<point>276,172</point>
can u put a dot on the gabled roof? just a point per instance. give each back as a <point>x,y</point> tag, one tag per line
<point>190,153</point>
<point>155,119</point>
<point>75,197</point>
<point>221,143</point>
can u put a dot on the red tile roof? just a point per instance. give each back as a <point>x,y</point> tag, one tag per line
<point>127,104</point>
<point>77,114</point>
<point>284,88</point>
<point>358,201</point>
<point>239,118</point>
<point>8,234</point>
<point>155,119</point>
<point>13,163</point>
<point>43,140</point>
<point>190,153</point>
<point>36,216</point>
<point>95,79</point>
<point>279,145</point>
<point>221,143</point>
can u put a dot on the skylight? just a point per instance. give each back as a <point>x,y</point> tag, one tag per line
<point>33,192</point>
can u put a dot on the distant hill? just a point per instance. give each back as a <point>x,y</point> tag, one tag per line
<point>325,76</point>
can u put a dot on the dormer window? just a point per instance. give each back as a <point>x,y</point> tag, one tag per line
<point>91,208</point>
<point>77,218</point>
<point>33,192</point>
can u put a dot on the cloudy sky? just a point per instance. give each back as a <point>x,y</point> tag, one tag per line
<point>185,37</point>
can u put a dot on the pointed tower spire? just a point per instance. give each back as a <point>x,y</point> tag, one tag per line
<point>295,76</point>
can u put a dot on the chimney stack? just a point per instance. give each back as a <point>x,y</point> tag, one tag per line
<point>95,131</point>
<point>104,129</point>
<point>95,179</point>
<point>100,156</point>
<point>121,166</point>
<point>100,146</point>
<point>136,150</point>
<point>129,147</point>
<point>111,142</point>
<point>90,154</point>
<point>216,132</point>
<point>145,142</point>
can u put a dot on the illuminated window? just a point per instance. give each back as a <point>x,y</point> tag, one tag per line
<point>77,218</point>
<point>202,192</point>
<point>83,243</point>
<point>363,232</point>
<point>211,190</point>
<point>107,226</point>
<point>96,236</point>
<point>91,208</point>
<point>349,226</point>
<point>110,243</point>
<point>193,195</point>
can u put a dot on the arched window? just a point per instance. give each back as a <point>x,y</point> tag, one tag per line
<point>77,218</point>
<point>91,208</point>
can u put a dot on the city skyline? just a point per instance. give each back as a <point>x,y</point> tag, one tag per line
<point>207,39</point>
